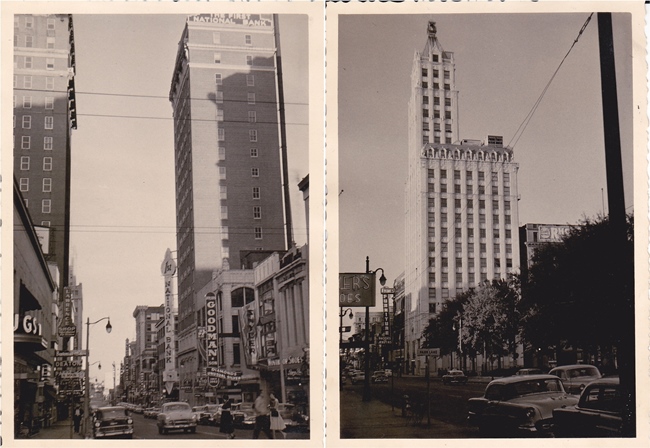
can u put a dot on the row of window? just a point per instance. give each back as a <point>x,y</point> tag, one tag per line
<point>29,42</point>
<point>436,114</point>
<point>25,163</point>
<point>444,233</point>
<point>46,207</point>
<point>458,218</point>
<point>28,102</point>
<point>469,175</point>
<point>469,203</point>
<point>250,79</point>
<point>46,186</point>
<point>28,63</point>
<point>252,115</point>
<point>255,172</point>
<point>444,276</point>
<point>27,82</point>
<point>435,72</point>
<point>469,189</point>
<point>254,152</point>
<point>458,247</point>
<point>217,59</point>
<point>216,38</point>
<point>26,142</point>
<point>446,86</point>
<point>221,135</point>
<point>48,123</point>
<point>436,100</point>
<point>29,22</point>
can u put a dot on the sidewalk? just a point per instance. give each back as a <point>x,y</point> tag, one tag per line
<point>375,419</point>
<point>60,430</point>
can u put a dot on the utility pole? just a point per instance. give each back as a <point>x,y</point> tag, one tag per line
<point>618,224</point>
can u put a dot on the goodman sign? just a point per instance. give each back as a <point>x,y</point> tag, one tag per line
<point>357,289</point>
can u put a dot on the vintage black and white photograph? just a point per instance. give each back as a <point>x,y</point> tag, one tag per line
<point>486,225</point>
<point>161,257</point>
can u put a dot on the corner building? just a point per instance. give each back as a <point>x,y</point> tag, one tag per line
<point>461,201</point>
<point>227,150</point>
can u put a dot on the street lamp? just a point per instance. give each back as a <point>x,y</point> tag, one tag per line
<point>87,386</point>
<point>342,314</point>
<point>366,380</point>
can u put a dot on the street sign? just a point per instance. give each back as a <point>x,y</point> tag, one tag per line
<point>388,290</point>
<point>71,374</point>
<point>428,352</point>
<point>70,353</point>
<point>344,329</point>
<point>383,340</point>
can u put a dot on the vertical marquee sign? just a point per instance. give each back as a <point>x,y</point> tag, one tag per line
<point>211,338</point>
<point>170,375</point>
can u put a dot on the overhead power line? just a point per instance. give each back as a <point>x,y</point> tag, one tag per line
<point>522,127</point>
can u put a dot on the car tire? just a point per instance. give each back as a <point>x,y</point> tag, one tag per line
<point>193,430</point>
<point>160,430</point>
<point>165,431</point>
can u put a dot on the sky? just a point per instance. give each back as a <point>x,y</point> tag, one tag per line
<point>122,193</point>
<point>503,63</point>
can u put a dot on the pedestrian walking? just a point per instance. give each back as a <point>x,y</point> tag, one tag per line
<point>226,424</point>
<point>262,417</point>
<point>277,423</point>
<point>76,418</point>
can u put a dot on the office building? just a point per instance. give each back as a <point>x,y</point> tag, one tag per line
<point>227,152</point>
<point>44,116</point>
<point>461,200</point>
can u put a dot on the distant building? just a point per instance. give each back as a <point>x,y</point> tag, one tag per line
<point>533,236</point>
<point>144,354</point>
<point>229,200</point>
<point>44,116</point>
<point>461,199</point>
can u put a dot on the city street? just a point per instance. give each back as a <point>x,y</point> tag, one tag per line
<point>377,419</point>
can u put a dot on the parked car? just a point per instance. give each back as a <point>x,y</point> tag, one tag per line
<point>575,377</point>
<point>454,376</point>
<point>151,412</point>
<point>196,411</point>
<point>207,414</point>
<point>243,414</point>
<point>138,409</point>
<point>599,413</point>
<point>292,418</point>
<point>358,376</point>
<point>176,415</point>
<point>379,377</point>
<point>519,406</point>
<point>112,421</point>
<point>521,372</point>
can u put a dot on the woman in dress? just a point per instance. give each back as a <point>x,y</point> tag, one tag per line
<point>226,425</point>
<point>277,424</point>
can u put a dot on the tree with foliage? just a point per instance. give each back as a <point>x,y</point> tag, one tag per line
<point>440,332</point>
<point>573,291</point>
<point>491,317</point>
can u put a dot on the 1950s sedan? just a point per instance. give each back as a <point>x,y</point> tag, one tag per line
<point>519,406</point>
<point>599,413</point>
<point>112,421</point>
<point>176,415</point>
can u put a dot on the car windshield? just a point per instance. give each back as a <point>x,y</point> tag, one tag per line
<point>246,407</point>
<point>583,371</point>
<point>111,413</point>
<point>212,407</point>
<point>177,407</point>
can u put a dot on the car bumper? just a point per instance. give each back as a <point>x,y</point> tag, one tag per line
<point>112,432</point>
<point>178,425</point>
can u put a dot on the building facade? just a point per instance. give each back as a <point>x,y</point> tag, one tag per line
<point>461,200</point>
<point>35,321</point>
<point>145,353</point>
<point>227,154</point>
<point>44,115</point>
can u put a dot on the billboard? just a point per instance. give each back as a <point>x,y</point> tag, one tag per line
<point>552,234</point>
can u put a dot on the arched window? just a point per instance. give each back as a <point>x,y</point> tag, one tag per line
<point>241,296</point>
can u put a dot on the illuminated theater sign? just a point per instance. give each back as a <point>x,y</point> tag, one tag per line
<point>212,348</point>
<point>168,269</point>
